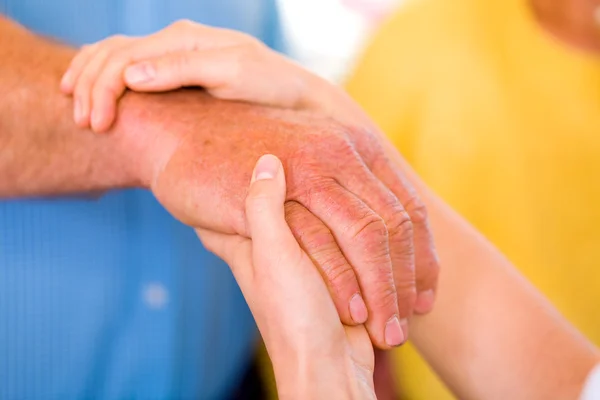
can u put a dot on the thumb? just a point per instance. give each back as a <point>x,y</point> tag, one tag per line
<point>273,244</point>
<point>265,202</point>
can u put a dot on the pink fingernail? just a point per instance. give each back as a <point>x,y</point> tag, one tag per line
<point>65,82</point>
<point>140,73</point>
<point>393,332</point>
<point>425,301</point>
<point>358,309</point>
<point>266,167</point>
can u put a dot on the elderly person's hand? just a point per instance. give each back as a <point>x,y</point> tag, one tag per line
<point>352,211</point>
<point>314,356</point>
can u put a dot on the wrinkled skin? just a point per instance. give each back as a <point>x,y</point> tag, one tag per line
<point>197,156</point>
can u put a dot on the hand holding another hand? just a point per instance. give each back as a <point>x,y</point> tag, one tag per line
<point>314,355</point>
<point>351,210</point>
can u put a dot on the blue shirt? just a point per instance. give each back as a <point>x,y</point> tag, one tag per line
<point>112,298</point>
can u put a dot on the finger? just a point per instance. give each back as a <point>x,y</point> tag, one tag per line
<point>108,87</point>
<point>180,37</point>
<point>89,73</point>
<point>400,233</point>
<point>209,69</point>
<point>67,83</point>
<point>427,265</point>
<point>363,237</point>
<point>318,242</point>
<point>265,216</point>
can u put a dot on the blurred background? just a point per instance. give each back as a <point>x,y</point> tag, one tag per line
<point>328,41</point>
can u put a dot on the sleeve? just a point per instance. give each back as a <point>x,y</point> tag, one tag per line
<point>591,390</point>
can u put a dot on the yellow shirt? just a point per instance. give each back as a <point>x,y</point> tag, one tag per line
<point>503,121</point>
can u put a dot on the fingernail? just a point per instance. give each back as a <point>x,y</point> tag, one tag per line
<point>425,301</point>
<point>266,167</point>
<point>77,110</point>
<point>140,73</point>
<point>358,309</point>
<point>65,82</point>
<point>393,332</point>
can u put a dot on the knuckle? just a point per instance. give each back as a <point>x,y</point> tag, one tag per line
<point>339,273</point>
<point>119,58</point>
<point>399,223</point>
<point>369,227</point>
<point>416,209</point>
<point>259,201</point>
<point>118,38</point>
<point>184,26</point>
<point>385,297</point>
<point>110,91</point>
<point>405,285</point>
<point>86,48</point>
<point>180,62</point>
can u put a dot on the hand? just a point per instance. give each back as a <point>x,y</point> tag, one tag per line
<point>230,65</point>
<point>196,153</point>
<point>314,355</point>
<point>258,71</point>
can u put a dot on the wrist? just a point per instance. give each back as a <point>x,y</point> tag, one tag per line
<point>145,147</point>
<point>305,376</point>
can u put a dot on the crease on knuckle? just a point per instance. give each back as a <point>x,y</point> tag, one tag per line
<point>179,62</point>
<point>369,227</point>
<point>311,190</point>
<point>416,209</point>
<point>339,274</point>
<point>399,224</point>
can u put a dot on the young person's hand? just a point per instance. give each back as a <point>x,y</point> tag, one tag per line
<point>230,65</point>
<point>314,355</point>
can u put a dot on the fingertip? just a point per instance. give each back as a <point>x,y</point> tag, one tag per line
<point>267,167</point>
<point>66,83</point>
<point>103,115</point>
<point>99,121</point>
<point>394,334</point>
<point>425,301</point>
<point>358,309</point>
<point>80,115</point>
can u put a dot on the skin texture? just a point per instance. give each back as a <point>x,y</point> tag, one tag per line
<point>336,363</point>
<point>497,328</point>
<point>199,173</point>
<point>195,154</point>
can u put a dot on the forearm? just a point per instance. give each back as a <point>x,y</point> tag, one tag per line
<point>43,152</point>
<point>491,334</point>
